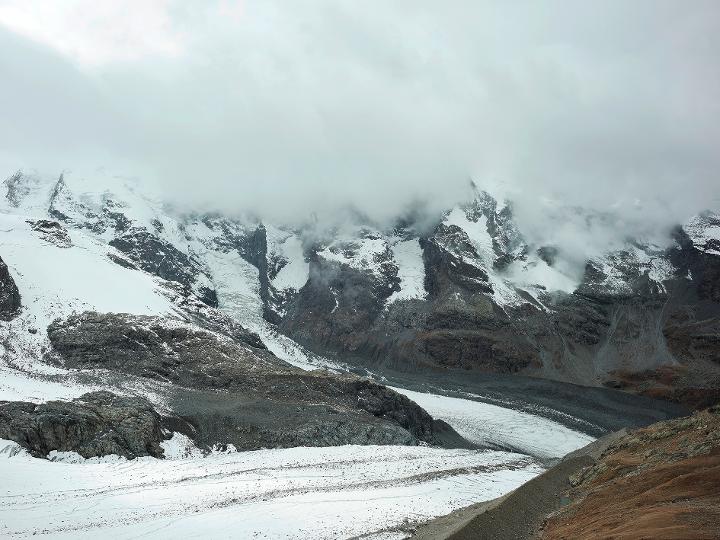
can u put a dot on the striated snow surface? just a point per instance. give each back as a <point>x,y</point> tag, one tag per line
<point>319,493</point>
<point>484,423</point>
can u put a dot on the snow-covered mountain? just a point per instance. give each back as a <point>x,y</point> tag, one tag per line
<point>131,332</point>
<point>133,328</point>
<point>468,292</point>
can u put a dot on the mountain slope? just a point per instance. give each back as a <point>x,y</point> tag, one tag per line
<point>658,482</point>
<point>469,293</point>
<point>108,305</point>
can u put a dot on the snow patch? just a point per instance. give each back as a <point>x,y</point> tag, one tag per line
<point>180,446</point>
<point>74,457</point>
<point>288,247</point>
<point>11,449</point>
<point>408,257</point>
<point>477,233</point>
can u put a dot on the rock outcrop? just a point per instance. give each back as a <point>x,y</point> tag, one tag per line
<point>9,294</point>
<point>52,232</point>
<point>656,482</point>
<point>161,258</point>
<point>227,392</point>
<point>95,424</point>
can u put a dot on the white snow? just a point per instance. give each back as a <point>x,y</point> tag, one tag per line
<point>527,274</point>
<point>180,446</point>
<point>318,493</point>
<point>485,423</point>
<point>288,246</point>
<point>33,193</point>
<point>650,259</point>
<point>704,231</point>
<point>476,231</point>
<point>74,457</point>
<point>504,294</point>
<point>293,353</point>
<point>9,449</point>
<point>411,270</point>
<point>32,384</point>
<point>365,253</point>
<point>56,282</point>
<point>712,233</point>
<point>635,259</point>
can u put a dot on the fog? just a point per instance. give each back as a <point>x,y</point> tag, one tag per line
<point>285,108</point>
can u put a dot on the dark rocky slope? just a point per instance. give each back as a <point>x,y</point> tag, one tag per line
<point>657,482</point>
<point>643,319</point>
<point>9,294</point>
<point>223,391</point>
<point>95,424</point>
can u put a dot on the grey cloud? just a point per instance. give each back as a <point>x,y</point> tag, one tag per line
<point>311,106</point>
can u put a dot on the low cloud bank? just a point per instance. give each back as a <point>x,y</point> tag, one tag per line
<point>284,110</point>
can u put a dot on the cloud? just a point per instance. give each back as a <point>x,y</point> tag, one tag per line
<point>287,108</point>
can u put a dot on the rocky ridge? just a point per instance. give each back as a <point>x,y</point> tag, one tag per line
<point>657,482</point>
<point>93,425</point>
<point>220,391</point>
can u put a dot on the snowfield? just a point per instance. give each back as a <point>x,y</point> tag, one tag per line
<point>318,493</point>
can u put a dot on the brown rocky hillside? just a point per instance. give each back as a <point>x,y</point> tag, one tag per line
<point>661,482</point>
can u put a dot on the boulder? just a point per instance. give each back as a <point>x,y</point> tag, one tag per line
<point>95,424</point>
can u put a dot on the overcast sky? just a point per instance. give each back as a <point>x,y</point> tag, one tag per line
<point>284,106</point>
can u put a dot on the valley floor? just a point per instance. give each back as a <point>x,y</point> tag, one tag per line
<point>337,492</point>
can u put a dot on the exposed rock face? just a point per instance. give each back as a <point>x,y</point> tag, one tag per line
<point>95,424</point>
<point>158,349</point>
<point>335,304</point>
<point>657,482</point>
<point>346,307</point>
<point>161,258</point>
<point>52,232</point>
<point>231,393</point>
<point>643,318</point>
<point>16,188</point>
<point>9,294</point>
